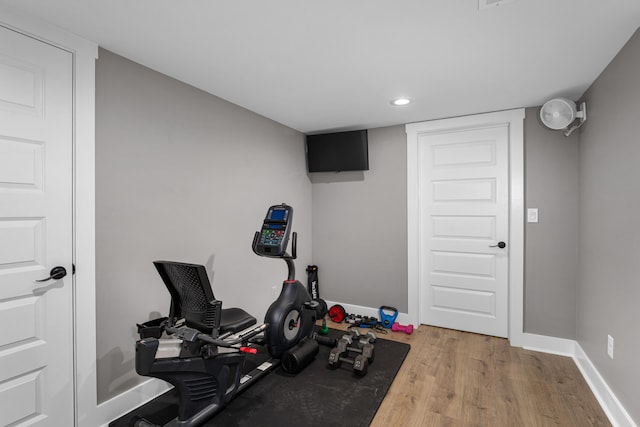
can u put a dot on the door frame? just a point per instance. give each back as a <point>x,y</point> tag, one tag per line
<point>84,55</point>
<point>514,119</point>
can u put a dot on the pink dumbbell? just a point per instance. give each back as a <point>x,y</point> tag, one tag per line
<point>397,327</point>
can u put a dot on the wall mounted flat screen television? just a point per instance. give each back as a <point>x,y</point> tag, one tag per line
<point>339,151</point>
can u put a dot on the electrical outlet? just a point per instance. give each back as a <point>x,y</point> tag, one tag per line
<point>610,346</point>
<point>532,215</point>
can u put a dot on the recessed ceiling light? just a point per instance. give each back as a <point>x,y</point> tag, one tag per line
<point>400,101</point>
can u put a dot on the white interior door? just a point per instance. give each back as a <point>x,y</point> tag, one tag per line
<point>464,191</point>
<point>36,344</point>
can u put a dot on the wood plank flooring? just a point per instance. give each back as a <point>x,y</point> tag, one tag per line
<point>453,378</point>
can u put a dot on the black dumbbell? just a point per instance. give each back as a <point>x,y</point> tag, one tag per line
<point>336,357</point>
<point>363,346</point>
<point>329,342</point>
<point>368,351</point>
<point>360,365</point>
<point>370,338</point>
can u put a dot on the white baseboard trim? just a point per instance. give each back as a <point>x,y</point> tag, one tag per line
<point>617,414</point>
<point>545,344</point>
<point>403,318</point>
<point>125,402</point>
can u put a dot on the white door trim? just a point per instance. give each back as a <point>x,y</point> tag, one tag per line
<point>84,56</point>
<point>514,119</point>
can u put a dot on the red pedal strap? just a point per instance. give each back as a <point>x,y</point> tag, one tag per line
<point>249,350</point>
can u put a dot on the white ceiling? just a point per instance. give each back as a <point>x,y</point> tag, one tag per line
<point>323,65</point>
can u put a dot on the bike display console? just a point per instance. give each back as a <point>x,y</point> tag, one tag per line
<point>274,234</point>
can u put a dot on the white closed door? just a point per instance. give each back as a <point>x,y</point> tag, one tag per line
<point>36,342</point>
<point>464,192</point>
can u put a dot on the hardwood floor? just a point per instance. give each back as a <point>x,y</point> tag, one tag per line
<point>453,378</point>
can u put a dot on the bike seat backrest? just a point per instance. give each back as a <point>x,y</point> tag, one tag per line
<point>191,295</point>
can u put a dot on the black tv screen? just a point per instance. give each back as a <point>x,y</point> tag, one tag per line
<point>339,151</point>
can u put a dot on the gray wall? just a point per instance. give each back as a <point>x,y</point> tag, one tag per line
<point>551,246</point>
<point>609,285</point>
<point>360,226</point>
<point>185,176</point>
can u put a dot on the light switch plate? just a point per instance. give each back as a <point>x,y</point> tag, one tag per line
<point>532,215</point>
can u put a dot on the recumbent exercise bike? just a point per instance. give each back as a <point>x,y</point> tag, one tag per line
<point>205,359</point>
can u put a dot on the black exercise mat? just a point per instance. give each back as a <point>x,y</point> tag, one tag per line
<point>317,396</point>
